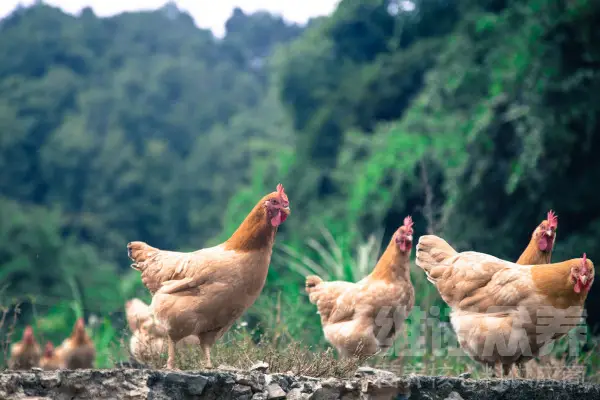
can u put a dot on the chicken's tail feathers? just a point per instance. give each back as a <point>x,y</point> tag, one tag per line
<point>432,251</point>
<point>312,281</point>
<point>139,252</point>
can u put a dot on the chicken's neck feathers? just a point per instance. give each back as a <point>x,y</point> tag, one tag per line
<point>254,233</point>
<point>554,281</point>
<point>392,265</point>
<point>532,255</point>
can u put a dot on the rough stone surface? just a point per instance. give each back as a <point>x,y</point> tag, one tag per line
<point>134,384</point>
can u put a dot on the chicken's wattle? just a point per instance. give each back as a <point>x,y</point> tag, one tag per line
<point>278,218</point>
<point>544,243</point>
<point>405,245</point>
<point>577,287</point>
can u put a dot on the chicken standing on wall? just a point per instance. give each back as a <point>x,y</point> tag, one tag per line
<point>149,338</point>
<point>361,318</point>
<point>77,351</point>
<point>202,293</point>
<point>50,360</point>
<point>504,313</point>
<point>26,353</point>
<point>539,249</point>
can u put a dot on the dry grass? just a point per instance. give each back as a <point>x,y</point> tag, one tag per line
<point>8,324</point>
<point>240,350</point>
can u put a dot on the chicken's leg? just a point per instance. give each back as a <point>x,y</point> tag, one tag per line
<point>171,359</point>
<point>522,370</point>
<point>206,350</point>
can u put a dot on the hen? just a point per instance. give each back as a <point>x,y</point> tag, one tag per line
<point>362,318</point>
<point>539,249</point>
<point>202,293</point>
<point>26,353</point>
<point>149,338</point>
<point>77,351</point>
<point>50,360</point>
<point>504,313</point>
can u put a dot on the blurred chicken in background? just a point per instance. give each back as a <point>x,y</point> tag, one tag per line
<point>26,353</point>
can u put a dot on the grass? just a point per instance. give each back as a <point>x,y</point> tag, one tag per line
<point>241,348</point>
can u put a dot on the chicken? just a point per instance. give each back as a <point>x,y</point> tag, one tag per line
<point>362,318</point>
<point>50,360</point>
<point>203,293</point>
<point>77,351</point>
<point>539,250</point>
<point>504,313</point>
<point>149,337</point>
<point>26,353</point>
<point>137,312</point>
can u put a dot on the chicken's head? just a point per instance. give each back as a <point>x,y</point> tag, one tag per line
<point>278,206</point>
<point>545,233</point>
<point>582,275</point>
<point>49,350</point>
<point>79,330</point>
<point>28,335</point>
<point>403,236</point>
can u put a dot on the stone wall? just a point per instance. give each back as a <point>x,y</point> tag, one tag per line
<point>137,384</point>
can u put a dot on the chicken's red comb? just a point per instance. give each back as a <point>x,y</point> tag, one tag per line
<point>79,324</point>
<point>584,259</point>
<point>281,192</point>
<point>552,219</point>
<point>408,222</point>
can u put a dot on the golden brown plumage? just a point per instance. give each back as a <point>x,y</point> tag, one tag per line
<point>26,353</point>
<point>77,351</point>
<point>361,318</point>
<point>50,360</point>
<point>202,293</point>
<point>539,249</point>
<point>501,310</point>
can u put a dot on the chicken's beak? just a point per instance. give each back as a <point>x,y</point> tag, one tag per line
<point>584,279</point>
<point>549,232</point>
<point>409,238</point>
<point>286,210</point>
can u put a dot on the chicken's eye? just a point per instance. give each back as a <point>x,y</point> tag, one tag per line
<point>274,201</point>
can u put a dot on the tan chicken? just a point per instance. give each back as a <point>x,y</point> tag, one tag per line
<point>50,360</point>
<point>504,313</point>
<point>202,293</point>
<point>149,338</point>
<point>26,353</point>
<point>362,318</point>
<point>77,351</point>
<point>539,249</point>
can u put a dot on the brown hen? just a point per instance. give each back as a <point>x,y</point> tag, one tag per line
<point>362,318</point>
<point>505,313</point>
<point>26,353</point>
<point>77,351</point>
<point>202,293</point>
